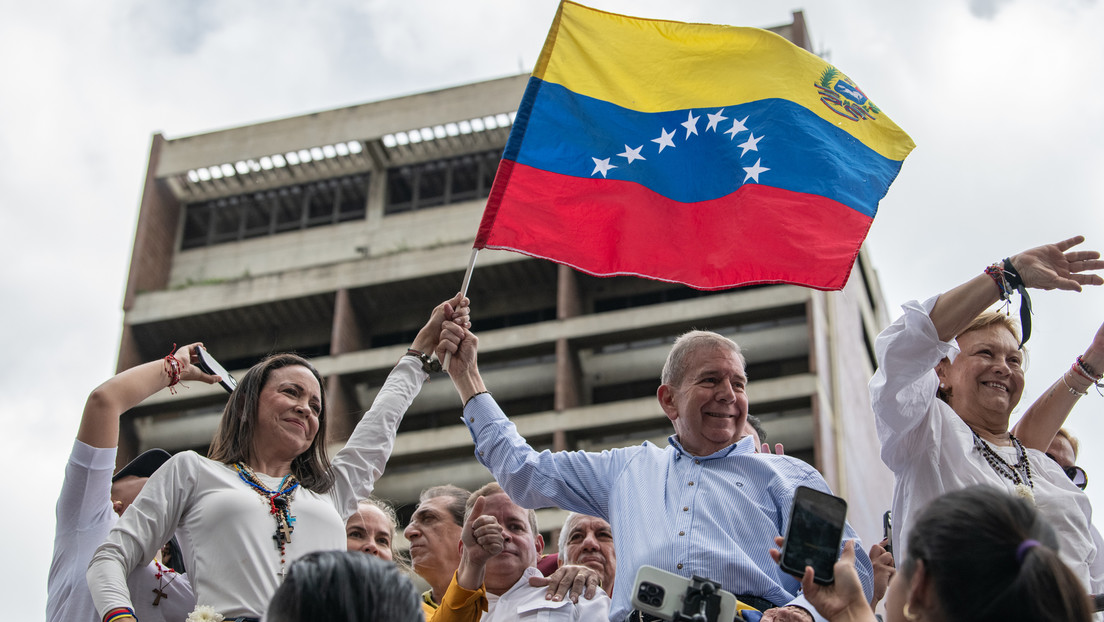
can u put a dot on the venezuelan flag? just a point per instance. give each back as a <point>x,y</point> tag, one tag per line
<point>706,155</point>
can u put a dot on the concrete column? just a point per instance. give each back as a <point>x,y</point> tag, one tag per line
<point>568,392</point>
<point>342,409</point>
<point>345,335</point>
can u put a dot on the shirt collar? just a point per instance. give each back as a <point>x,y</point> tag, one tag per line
<point>744,446</point>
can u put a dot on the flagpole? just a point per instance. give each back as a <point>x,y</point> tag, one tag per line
<point>463,293</point>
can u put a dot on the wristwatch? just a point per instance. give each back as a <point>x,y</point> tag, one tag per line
<point>429,365</point>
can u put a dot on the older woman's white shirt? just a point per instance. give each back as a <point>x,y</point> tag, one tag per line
<point>931,450</point>
<point>223,526</point>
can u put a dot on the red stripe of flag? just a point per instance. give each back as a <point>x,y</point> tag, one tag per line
<point>615,227</point>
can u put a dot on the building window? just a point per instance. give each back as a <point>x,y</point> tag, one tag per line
<point>289,208</point>
<point>440,182</point>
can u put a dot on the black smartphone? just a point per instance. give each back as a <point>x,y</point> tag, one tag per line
<point>814,534</point>
<point>887,529</point>
<point>208,364</point>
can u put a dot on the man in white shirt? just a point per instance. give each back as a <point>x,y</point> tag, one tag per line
<point>507,574</point>
<point>588,541</point>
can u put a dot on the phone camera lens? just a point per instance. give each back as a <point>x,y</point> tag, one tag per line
<point>650,594</point>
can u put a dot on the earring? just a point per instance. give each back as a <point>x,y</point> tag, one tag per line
<point>942,386</point>
<point>910,615</point>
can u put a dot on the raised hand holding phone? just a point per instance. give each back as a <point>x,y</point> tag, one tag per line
<point>814,534</point>
<point>207,363</point>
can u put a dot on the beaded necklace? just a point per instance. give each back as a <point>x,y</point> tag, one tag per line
<point>1019,473</point>
<point>279,502</point>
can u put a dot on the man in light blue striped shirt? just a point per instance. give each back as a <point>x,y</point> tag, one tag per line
<point>705,505</point>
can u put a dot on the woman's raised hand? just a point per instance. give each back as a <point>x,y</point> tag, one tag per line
<point>1054,266</point>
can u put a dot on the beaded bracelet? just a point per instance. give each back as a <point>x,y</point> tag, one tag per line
<point>996,273</point>
<point>172,368</point>
<point>1081,369</point>
<point>119,614</point>
<point>1089,371</point>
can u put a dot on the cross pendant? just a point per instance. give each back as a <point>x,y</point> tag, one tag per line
<point>285,532</point>
<point>160,595</point>
<point>283,572</point>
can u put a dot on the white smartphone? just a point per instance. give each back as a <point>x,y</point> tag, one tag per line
<point>208,364</point>
<point>663,594</point>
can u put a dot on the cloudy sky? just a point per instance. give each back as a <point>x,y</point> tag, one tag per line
<point>1002,97</point>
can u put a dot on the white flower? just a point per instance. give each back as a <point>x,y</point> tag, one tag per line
<point>204,613</point>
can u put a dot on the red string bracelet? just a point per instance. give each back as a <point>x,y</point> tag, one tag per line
<point>172,368</point>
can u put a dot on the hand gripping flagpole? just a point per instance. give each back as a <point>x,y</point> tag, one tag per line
<point>463,294</point>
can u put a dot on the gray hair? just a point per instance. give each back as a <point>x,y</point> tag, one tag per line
<point>569,523</point>
<point>674,369</point>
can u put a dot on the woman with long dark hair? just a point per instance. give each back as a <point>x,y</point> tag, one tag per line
<point>267,494</point>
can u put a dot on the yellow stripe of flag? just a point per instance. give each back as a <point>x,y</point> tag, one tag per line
<point>657,65</point>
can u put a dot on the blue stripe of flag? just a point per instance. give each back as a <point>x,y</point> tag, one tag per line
<point>560,131</point>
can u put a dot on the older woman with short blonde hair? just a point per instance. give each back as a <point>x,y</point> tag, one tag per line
<point>948,377</point>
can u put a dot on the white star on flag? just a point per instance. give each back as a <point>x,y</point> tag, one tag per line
<point>737,127</point>
<point>632,154</point>
<point>602,166</point>
<point>664,140</point>
<point>691,124</point>
<point>753,171</point>
<point>751,144</point>
<point>714,119</point>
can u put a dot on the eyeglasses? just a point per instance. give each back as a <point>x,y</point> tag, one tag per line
<point>1076,474</point>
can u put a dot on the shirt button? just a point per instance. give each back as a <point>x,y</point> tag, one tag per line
<point>686,508</point>
<point>682,533</point>
<point>691,483</point>
<point>480,454</point>
<point>471,419</point>
<point>679,566</point>
<point>697,462</point>
<point>739,484</point>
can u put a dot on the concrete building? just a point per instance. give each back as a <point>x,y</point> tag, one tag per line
<point>333,234</point>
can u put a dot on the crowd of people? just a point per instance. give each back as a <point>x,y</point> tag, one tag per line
<point>991,522</point>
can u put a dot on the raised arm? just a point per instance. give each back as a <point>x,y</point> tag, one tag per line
<point>99,426</point>
<point>462,344</point>
<point>1041,421</point>
<point>1052,266</point>
<point>361,462</point>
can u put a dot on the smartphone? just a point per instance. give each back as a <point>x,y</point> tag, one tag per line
<point>208,364</point>
<point>814,534</point>
<point>663,594</point>
<point>887,529</point>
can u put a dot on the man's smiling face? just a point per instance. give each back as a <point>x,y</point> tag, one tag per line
<point>709,406</point>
